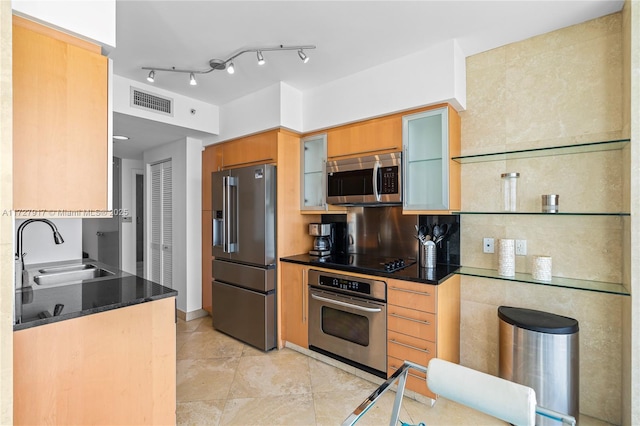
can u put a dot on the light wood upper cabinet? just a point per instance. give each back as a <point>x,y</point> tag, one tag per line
<point>295,327</point>
<point>255,149</point>
<point>382,134</point>
<point>431,178</point>
<point>60,121</point>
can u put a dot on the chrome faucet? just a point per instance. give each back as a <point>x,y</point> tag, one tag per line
<point>57,238</point>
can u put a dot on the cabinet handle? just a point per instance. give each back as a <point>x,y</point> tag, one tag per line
<point>423,293</point>
<point>410,374</point>
<point>426,351</point>
<point>410,319</point>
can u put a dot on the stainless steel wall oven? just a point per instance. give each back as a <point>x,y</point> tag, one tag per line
<point>348,319</point>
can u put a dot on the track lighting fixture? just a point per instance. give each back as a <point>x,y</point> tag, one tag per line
<point>304,58</point>
<point>218,64</point>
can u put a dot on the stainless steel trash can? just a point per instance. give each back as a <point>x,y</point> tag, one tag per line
<point>540,350</point>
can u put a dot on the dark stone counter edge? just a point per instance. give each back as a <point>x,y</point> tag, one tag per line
<point>412,273</point>
<point>85,312</point>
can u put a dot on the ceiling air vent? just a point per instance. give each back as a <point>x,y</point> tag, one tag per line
<point>150,102</point>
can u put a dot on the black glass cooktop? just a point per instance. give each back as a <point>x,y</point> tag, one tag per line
<point>365,262</point>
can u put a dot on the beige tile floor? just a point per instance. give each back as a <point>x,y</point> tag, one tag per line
<point>221,381</point>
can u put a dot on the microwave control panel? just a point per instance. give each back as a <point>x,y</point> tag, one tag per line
<point>390,178</point>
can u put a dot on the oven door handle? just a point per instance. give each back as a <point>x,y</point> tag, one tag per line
<point>346,305</point>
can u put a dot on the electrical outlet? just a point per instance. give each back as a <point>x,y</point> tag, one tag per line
<point>487,245</point>
<point>521,247</point>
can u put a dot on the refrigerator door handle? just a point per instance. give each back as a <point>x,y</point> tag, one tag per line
<point>225,214</point>
<point>232,216</point>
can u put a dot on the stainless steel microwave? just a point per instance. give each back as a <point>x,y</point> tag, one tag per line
<point>375,179</point>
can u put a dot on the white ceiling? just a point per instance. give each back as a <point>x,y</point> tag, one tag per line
<point>350,36</point>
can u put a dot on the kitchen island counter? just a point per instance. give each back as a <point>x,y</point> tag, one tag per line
<point>413,273</point>
<point>98,351</point>
<point>35,305</point>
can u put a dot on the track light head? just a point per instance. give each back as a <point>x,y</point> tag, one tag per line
<point>230,68</point>
<point>261,60</point>
<point>151,76</point>
<point>304,58</point>
<point>192,80</point>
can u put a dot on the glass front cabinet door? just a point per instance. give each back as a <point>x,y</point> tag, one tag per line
<point>313,161</point>
<point>426,158</point>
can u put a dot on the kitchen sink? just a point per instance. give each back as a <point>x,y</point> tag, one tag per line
<point>67,268</point>
<point>69,274</point>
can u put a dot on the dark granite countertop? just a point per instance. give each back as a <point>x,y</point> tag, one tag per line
<point>34,304</point>
<point>413,273</point>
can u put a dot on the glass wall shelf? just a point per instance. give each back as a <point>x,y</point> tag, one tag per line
<point>550,214</point>
<point>598,286</point>
<point>544,152</point>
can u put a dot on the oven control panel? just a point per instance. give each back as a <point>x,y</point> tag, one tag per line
<point>369,288</point>
<point>344,284</point>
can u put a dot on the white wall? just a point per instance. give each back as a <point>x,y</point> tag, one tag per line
<point>263,107</point>
<point>186,162</point>
<point>94,20</point>
<point>424,78</point>
<point>206,118</point>
<point>128,199</point>
<point>37,241</point>
<point>291,108</point>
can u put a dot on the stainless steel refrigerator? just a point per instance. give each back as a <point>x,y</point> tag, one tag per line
<point>244,247</point>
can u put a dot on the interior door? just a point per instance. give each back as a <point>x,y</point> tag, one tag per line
<point>161,241</point>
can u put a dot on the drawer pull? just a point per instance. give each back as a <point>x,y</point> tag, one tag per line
<point>411,319</point>
<point>422,293</point>
<point>410,374</point>
<point>426,351</point>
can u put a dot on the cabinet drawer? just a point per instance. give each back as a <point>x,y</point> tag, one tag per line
<point>410,348</point>
<point>421,297</point>
<point>416,381</point>
<point>411,322</point>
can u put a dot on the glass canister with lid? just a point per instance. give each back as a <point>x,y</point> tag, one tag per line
<point>509,191</point>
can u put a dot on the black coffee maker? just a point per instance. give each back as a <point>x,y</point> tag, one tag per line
<point>323,241</point>
<point>330,238</point>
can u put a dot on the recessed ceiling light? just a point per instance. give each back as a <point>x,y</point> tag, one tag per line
<point>121,137</point>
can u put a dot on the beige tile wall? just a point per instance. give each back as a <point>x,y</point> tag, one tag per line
<point>631,317</point>
<point>6,221</point>
<point>560,88</point>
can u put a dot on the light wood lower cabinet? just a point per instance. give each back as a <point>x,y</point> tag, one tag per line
<point>295,307</point>
<point>114,367</point>
<point>207,258</point>
<point>423,321</point>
